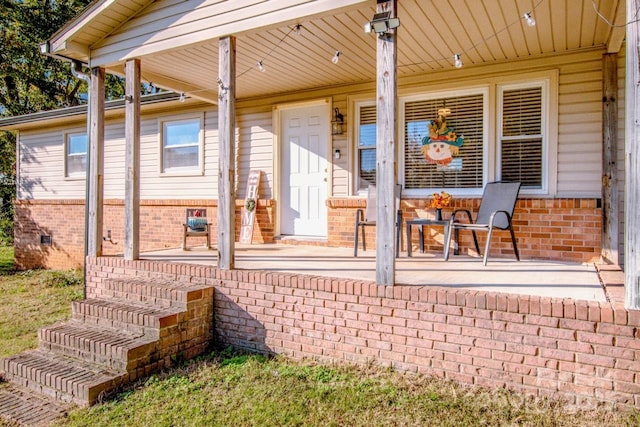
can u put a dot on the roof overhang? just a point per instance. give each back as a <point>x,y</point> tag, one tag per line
<point>177,42</point>
<point>148,103</point>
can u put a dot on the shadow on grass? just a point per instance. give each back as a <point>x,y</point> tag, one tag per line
<point>6,261</point>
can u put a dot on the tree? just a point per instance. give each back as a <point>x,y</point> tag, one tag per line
<point>30,81</point>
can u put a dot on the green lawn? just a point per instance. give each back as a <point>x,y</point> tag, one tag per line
<point>31,299</point>
<point>232,389</point>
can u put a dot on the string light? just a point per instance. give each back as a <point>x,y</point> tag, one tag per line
<point>480,42</point>
<point>530,21</point>
<point>457,61</point>
<point>457,58</point>
<point>182,98</point>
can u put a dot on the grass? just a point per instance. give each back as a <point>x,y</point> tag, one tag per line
<point>30,300</point>
<point>227,388</point>
<point>251,390</point>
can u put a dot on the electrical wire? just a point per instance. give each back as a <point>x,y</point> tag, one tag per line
<point>635,17</point>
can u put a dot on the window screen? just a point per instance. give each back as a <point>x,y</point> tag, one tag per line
<point>181,145</point>
<point>466,117</point>
<point>76,155</point>
<point>522,140</point>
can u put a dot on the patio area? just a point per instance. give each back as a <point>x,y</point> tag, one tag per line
<point>526,277</point>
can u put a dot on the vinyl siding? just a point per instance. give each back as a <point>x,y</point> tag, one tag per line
<point>41,157</point>
<point>255,149</point>
<point>168,24</point>
<point>580,127</point>
<point>578,157</point>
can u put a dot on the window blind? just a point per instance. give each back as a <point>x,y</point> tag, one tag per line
<point>367,147</point>
<point>522,140</point>
<point>467,119</point>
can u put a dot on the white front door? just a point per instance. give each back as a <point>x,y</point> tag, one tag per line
<point>304,171</point>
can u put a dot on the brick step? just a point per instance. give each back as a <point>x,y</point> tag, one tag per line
<point>118,350</point>
<point>160,293</point>
<point>126,316</point>
<point>61,377</point>
<point>22,406</point>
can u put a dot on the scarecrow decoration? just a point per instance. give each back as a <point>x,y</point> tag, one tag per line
<point>442,143</point>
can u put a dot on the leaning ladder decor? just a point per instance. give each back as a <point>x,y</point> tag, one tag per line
<point>249,209</point>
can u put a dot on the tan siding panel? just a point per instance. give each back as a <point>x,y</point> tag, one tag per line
<point>255,149</point>
<point>580,127</point>
<point>114,167</point>
<point>42,166</point>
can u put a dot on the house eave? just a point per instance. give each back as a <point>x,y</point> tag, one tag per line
<point>41,117</point>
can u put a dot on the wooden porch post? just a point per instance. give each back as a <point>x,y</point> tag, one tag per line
<point>226,161</point>
<point>610,210</point>
<point>132,161</point>
<point>632,162</point>
<point>95,196</point>
<point>386,126</point>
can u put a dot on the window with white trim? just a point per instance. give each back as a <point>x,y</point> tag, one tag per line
<point>75,155</point>
<point>182,142</point>
<point>521,139</point>
<point>366,145</point>
<point>521,146</point>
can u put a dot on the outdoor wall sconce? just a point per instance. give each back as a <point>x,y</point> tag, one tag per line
<point>336,123</point>
<point>381,23</point>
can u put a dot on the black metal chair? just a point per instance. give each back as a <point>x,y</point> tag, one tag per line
<point>369,215</point>
<point>496,211</point>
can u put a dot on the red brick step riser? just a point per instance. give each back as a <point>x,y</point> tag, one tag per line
<point>162,294</point>
<point>121,355</point>
<point>74,385</point>
<point>125,318</point>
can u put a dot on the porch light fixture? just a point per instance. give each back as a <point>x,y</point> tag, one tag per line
<point>457,61</point>
<point>336,57</point>
<point>336,123</point>
<point>530,21</point>
<point>381,23</point>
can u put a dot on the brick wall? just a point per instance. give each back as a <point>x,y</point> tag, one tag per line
<point>557,229</point>
<point>160,228</point>
<point>585,352</point>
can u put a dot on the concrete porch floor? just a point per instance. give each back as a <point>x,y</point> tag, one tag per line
<point>527,277</point>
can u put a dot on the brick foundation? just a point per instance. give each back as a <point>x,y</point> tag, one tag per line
<point>160,228</point>
<point>556,229</point>
<point>584,352</point>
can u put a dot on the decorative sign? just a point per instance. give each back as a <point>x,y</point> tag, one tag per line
<point>249,209</point>
<point>442,143</point>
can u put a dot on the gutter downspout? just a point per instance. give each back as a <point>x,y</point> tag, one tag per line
<point>76,66</point>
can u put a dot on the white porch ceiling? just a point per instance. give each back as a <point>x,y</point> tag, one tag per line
<point>431,32</point>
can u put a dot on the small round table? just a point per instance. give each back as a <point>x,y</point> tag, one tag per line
<point>421,222</point>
